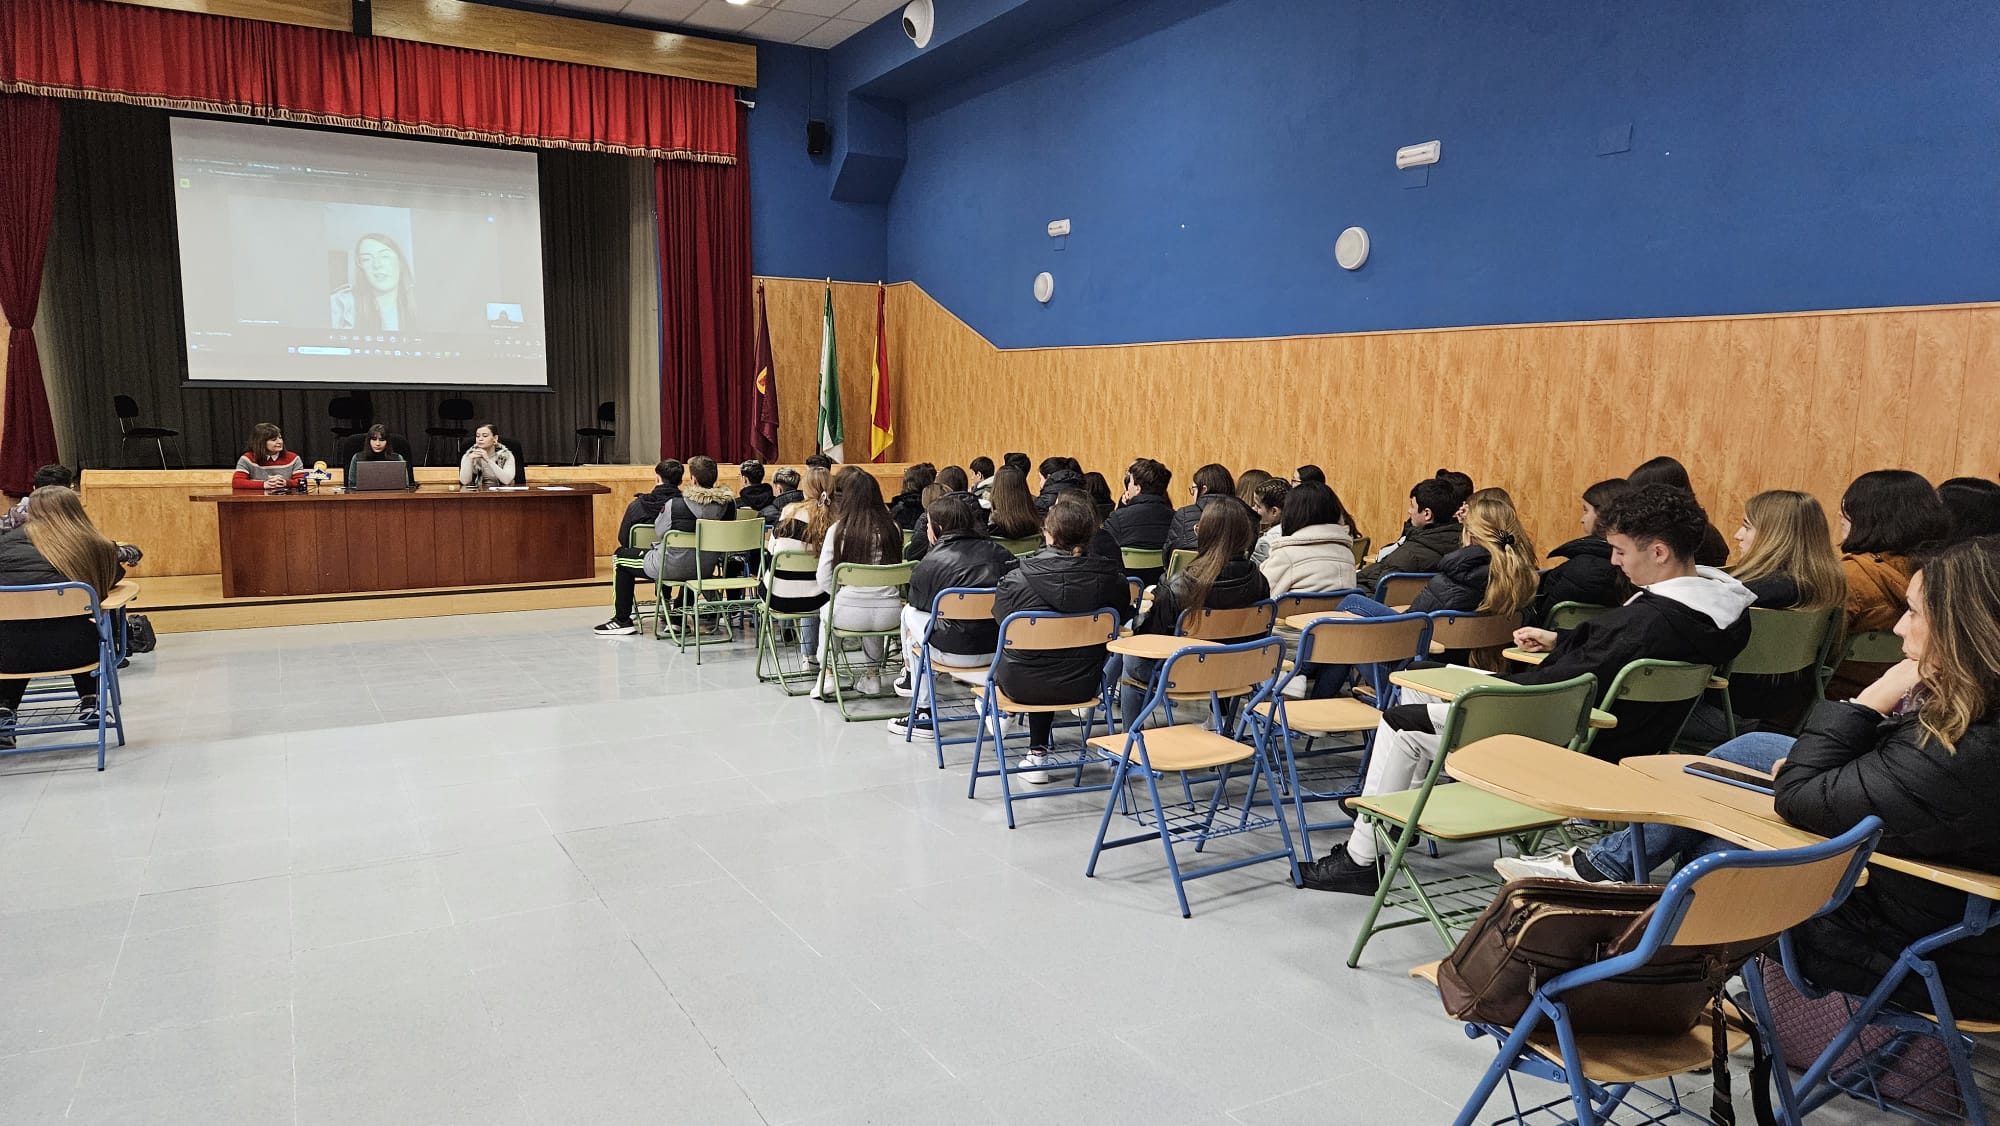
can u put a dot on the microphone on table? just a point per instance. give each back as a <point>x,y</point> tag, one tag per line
<point>317,474</point>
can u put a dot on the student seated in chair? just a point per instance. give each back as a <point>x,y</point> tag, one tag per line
<point>952,482</point>
<point>755,494</point>
<point>1428,536</point>
<point>377,448</point>
<point>907,506</point>
<point>1013,516</point>
<point>644,509</point>
<point>1314,548</point>
<point>1212,485</point>
<point>1919,748</point>
<point>704,500</point>
<point>57,544</point>
<point>980,471</point>
<point>1059,475</point>
<point>1062,578</point>
<point>1886,517</point>
<point>1681,613</point>
<point>1664,470</point>
<point>1267,504</point>
<point>1220,577</point>
<point>267,466</point>
<point>487,463</point>
<point>1585,574</point>
<point>787,493</point>
<point>861,531</point>
<point>960,555</point>
<point>1144,513</point>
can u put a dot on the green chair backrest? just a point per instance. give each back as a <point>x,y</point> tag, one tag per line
<point>1658,682</point>
<point>871,574</point>
<point>642,537</point>
<point>1177,562</point>
<point>1022,545</point>
<point>908,535</point>
<point>678,539</point>
<point>1875,646</point>
<point>1361,546</point>
<point>1556,713</point>
<point>728,536</point>
<point>1569,615</point>
<point>1786,641</point>
<point>1143,559</point>
<point>801,563</point>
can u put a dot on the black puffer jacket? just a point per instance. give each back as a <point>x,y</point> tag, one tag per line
<point>1419,553</point>
<point>1055,485</point>
<point>920,536</point>
<point>960,559</point>
<point>1240,584</point>
<point>1585,575</point>
<point>1062,583</point>
<point>645,509</point>
<point>37,644</point>
<point>1714,550</point>
<point>905,509</point>
<point>757,498</point>
<point>1935,805</point>
<point>1460,583</point>
<point>1180,535</point>
<point>1141,522</point>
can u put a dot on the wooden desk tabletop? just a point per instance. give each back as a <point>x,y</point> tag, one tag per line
<point>120,597</point>
<point>421,492</point>
<point>1302,622</point>
<point>1559,780</point>
<point>1522,656</point>
<point>1446,683</point>
<point>1155,646</point>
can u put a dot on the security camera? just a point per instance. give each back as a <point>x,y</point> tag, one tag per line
<point>918,18</point>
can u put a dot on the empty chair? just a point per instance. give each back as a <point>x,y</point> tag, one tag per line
<point>127,433</point>
<point>451,431</point>
<point>604,431</point>
<point>351,414</point>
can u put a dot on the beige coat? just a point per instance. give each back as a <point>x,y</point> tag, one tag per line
<point>1315,558</point>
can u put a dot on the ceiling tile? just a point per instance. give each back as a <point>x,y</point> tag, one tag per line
<point>815,7</point>
<point>784,27</point>
<point>868,11</point>
<point>718,16</point>
<point>831,33</point>
<point>665,11</point>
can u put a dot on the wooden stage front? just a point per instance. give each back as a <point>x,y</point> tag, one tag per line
<point>182,579</point>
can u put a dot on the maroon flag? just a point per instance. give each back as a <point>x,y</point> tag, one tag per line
<point>764,426</point>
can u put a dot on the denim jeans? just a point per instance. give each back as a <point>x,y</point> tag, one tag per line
<point>1130,699</point>
<point>1612,856</point>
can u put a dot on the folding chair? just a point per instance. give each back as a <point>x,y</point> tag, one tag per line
<point>1459,630</point>
<point>771,621</point>
<point>1177,562</point>
<point>838,667</point>
<point>1218,672</point>
<point>1569,615</point>
<point>56,710</point>
<point>1371,648</point>
<point>1207,624</point>
<point>1656,682</point>
<point>1035,632</point>
<point>1025,545</point>
<point>1783,642</point>
<point>1554,713</point>
<point>713,593</point>
<point>1400,589</point>
<point>1139,559</point>
<point>1300,603</point>
<point>641,538</point>
<point>1732,902</point>
<point>958,604</point>
<point>667,592</point>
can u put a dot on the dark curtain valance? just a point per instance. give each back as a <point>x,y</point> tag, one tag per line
<point>212,64</point>
<point>111,309</point>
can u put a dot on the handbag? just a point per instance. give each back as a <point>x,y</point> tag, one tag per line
<point>1916,1075</point>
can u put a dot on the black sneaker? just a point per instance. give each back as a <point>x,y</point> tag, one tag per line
<point>6,729</point>
<point>905,684</point>
<point>86,710</point>
<point>923,727</point>
<point>616,627</point>
<point>1336,872</point>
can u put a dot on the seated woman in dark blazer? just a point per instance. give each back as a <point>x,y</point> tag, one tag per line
<point>58,544</point>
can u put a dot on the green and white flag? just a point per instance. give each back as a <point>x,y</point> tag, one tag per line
<point>831,436</point>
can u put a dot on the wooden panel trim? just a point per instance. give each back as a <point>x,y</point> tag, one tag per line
<point>506,31</point>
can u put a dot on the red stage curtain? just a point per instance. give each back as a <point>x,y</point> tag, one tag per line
<point>707,381</point>
<point>29,128</point>
<point>213,64</point>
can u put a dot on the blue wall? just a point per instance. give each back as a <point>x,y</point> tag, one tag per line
<point>1784,155</point>
<point>796,230</point>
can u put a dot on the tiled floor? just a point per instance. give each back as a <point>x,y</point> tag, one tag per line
<point>497,870</point>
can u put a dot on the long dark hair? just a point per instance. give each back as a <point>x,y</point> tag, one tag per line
<point>1662,470</point>
<point>864,532</point>
<point>1014,514</point>
<point>1224,533</point>
<point>1599,498</point>
<point>1892,512</point>
<point>367,314</point>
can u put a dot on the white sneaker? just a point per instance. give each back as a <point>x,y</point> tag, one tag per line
<point>1295,688</point>
<point>1034,775</point>
<point>1083,713</point>
<point>1558,865</point>
<point>868,684</point>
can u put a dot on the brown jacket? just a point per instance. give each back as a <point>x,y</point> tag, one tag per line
<point>1876,598</point>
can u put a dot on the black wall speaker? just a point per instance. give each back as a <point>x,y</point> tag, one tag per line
<point>363,19</point>
<point>818,138</point>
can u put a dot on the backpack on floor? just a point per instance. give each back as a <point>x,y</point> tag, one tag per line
<point>139,635</point>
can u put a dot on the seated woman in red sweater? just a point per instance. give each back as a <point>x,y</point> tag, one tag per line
<point>267,464</point>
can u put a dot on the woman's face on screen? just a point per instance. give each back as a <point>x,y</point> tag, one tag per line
<point>379,264</point>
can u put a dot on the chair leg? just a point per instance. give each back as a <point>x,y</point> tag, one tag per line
<point>1167,842</point>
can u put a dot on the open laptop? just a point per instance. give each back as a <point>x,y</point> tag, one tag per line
<point>379,476</point>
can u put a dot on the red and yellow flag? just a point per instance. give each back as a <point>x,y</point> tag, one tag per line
<point>881,415</point>
<point>764,416</point>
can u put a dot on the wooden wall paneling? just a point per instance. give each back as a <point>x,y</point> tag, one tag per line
<point>1935,394</point>
<point>1889,347</point>
<point>1791,356</point>
<point>330,15</point>
<point>1979,437</point>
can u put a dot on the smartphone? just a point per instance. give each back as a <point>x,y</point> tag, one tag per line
<point>1733,775</point>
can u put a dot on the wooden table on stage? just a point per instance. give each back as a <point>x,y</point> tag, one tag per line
<point>341,543</point>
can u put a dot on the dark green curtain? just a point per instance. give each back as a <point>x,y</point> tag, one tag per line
<point>111,309</point>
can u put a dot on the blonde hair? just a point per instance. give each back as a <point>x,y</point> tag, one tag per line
<point>1511,578</point>
<point>1793,540</point>
<point>66,538</point>
<point>817,488</point>
<point>1961,663</point>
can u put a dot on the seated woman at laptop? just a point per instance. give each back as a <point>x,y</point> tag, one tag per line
<point>377,448</point>
<point>487,464</point>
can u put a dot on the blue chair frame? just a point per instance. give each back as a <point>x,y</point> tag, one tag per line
<point>991,724</point>
<point>1382,584</point>
<point>926,673</point>
<point>110,702</point>
<point>1593,1103</point>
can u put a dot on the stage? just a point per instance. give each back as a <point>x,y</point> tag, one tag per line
<point>186,603</point>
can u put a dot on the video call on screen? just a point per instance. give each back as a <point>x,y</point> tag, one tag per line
<point>316,257</point>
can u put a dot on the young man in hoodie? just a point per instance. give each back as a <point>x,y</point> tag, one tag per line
<point>755,494</point>
<point>1059,475</point>
<point>981,470</point>
<point>959,555</point>
<point>1429,535</point>
<point>788,493</point>
<point>1681,613</point>
<point>644,509</point>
